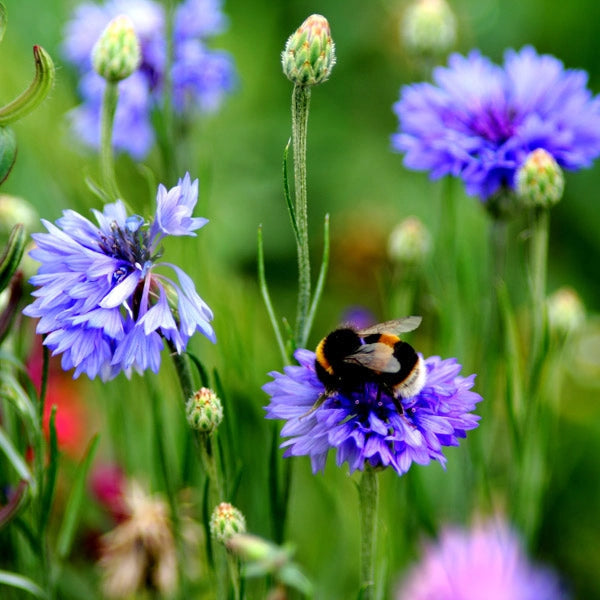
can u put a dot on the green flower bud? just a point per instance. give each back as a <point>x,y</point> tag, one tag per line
<point>12,254</point>
<point>309,53</point>
<point>539,181</point>
<point>225,521</point>
<point>428,27</point>
<point>565,311</point>
<point>15,210</point>
<point>409,242</point>
<point>204,411</point>
<point>116,54</point>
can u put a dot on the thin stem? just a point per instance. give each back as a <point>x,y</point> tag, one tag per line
<point>184,373</point>
<point>107,161</point>
<point>368,491</point>
<point>169,155</point>
<point>300,109</point>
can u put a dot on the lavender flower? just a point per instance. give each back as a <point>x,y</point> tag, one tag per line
<point>479,121</point>
<point>365,431</point>
<point>101,301</point>
<point>486,562</point>
<point>201,76</point>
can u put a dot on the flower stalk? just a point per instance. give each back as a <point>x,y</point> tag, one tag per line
<point>368,491</point>
<point>107,161</point>
<point>300,109</point>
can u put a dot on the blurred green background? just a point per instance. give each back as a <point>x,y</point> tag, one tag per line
<point>354,176</point>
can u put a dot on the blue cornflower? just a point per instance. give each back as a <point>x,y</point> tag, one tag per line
<point>102,302</point>
<point>201,76</point>
<point>486,561</point>
<point>366,426</point>
<point>479,121</point>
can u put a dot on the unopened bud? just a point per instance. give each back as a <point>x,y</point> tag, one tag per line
<point>204,411</point>
<point>225,521</point>
<point>309,53</point>
<point>116,54</point>
<point>409,242</point>
<point>428,27</point>
<point>540,181</point>
<point>565,310</point>
<point>15,210</point>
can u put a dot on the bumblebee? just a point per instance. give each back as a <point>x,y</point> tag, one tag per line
<point>348,358</point>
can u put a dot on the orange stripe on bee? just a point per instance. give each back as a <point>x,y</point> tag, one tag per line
<point>388,339</point>
<point>321,357</point>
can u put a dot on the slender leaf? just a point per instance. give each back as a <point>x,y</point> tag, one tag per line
<point>22,583</point>
<point>69,524</point>
<point>13,391</point>
<point>262,281</point>
<point>202,373</point>
<point>12,507</point>
<point>286,192</point>
<point>16,460</point>
<point>51,471</point>
<point>320,281</point>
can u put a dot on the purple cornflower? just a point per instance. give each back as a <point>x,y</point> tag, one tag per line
<point>486,562</point>
<point>201,76</point>
<point>101,301</point>
<point>479,121</point>
<point>363,430</point>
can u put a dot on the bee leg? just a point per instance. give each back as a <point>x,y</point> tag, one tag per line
<point>397,403</point>
<point>316,405</point>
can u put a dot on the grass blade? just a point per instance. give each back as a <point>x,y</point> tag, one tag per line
<point>22,583</point>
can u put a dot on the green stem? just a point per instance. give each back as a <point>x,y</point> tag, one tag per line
<point>538,267</point>
<point>169,155</point>
<point>209,462</point>
<point>184,373</point>
<point>300,109</point>
<point>368,491</point>
<point>107,161</point>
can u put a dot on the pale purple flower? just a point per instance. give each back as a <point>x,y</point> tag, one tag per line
<point>366,428</point>
<point>103,300</point>
<point>201,76</point>
<point>479,121</point>
<point>487,562</point>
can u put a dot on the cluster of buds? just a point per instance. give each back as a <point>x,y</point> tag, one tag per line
<point>565,311</point>
<point>204,411</point>
<point>309,53</point>
<point>117,54</point>
<point>539,182</point>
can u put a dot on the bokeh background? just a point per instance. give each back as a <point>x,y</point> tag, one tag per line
<point>354,176</point>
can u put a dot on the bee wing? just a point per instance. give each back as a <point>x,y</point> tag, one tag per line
<point>395,327</point>
<point>377,357</point>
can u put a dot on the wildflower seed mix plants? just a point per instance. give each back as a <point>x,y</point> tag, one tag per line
<point>299,300</point>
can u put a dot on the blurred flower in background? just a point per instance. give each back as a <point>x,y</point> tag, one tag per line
<point>100,300</point>
<point>487,561</point>
<point>479,121</point>
<point>366,428</point>
<point>201,76</point>
<point>139,554</point>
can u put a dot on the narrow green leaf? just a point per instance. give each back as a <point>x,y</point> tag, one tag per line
<point>97,190</point>
<point>286,191</point>
<point>51,471</point>
<point>8,152</point>
<point>3,20</point>
<point>12,391</point>
<point>71,517</point>
<point>320,281</point>
<point>202,373</point>
<point>16,460</point>
<point>11,509</point>
<point>262,282</point>
<point>13,251</point>
<point>22,583</point>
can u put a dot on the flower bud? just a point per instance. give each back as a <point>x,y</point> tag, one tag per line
<point>309,53</point>
<point>565,310</point>
<point>8,151</point>
<point>539,181</point>
<point>428,27</point>
<point>409,242</point>
<point>204,411</point>
<point>116,54</point>
<point>225,521</point>
<point>251,547</point>
<point>15,210</point>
